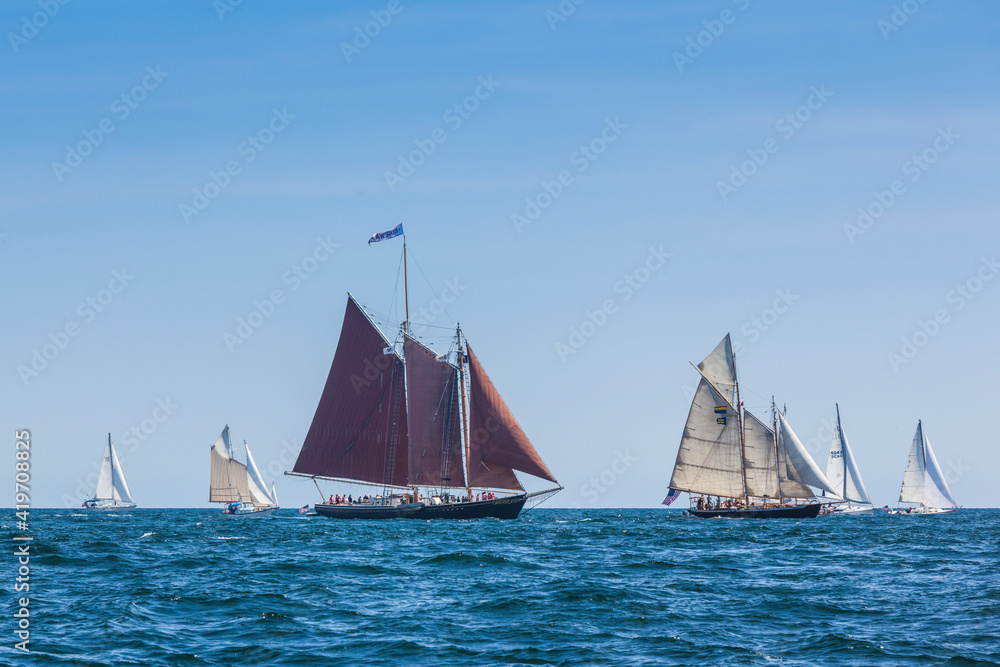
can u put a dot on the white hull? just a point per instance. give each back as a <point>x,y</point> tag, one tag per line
<point>248,514</point>
<point>925,510</point>
<point>852,511</point>
<point>109,508</point>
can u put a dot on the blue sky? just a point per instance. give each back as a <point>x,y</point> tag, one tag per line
<point>613,408</point>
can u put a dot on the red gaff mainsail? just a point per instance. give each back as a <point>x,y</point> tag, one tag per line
<point>359,431</point>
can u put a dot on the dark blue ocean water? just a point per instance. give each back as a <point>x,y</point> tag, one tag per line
<point>559,587</point>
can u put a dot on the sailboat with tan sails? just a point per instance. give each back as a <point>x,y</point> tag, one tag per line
<point>240,486</point>
<point>726,452</point>
<point>427,432</point>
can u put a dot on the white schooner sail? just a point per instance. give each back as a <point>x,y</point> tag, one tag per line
<point>842,471</point>
<point>112,489</point>
<point>237,484</point>
<point>728,452</point>
<point>923,481</point>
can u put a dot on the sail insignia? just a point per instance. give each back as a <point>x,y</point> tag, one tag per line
<point>842,470</point>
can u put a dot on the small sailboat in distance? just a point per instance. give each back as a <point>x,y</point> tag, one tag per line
<point>112,491</point>
<point>729,453</point>
<point>239,486</point>
<point>429,431</point>
<point>843,473</point>
<point>923,482</point>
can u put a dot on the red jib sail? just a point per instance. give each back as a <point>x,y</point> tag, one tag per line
<point>497,445</point>
<point>435,438</point>
<point>359,431</point>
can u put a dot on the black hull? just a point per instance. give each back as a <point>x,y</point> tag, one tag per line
<point>500,508</point>
<point>796,512</point>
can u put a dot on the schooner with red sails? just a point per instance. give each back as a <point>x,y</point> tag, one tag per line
<point>429,432</point>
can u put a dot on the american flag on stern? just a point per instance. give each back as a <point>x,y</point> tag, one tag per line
<point>671,496</point>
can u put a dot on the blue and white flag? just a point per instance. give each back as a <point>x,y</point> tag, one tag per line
<point>391,234</point>
<point>671,496</point>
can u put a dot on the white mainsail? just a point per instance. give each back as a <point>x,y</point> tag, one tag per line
<point>258,488</point>
<point>105,488</point>
<point>923,481</point>
<point>111,484</point>
<point>708,460</point>
<point>842,470</point>
<point>759,465</point>
<point>796,468</point>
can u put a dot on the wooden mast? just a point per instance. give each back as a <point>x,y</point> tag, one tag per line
<point>743,451</point>
<point>465,414</point>
<point>406,291</point>
<point>406,330</point>
<point>777,462</point>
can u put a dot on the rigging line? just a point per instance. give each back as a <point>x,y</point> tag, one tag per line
<point>395,291</point>
<point>434,326</point>
<point>764,398</point>
<point>447,314</point>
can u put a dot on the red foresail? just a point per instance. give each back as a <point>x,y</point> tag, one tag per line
<point>359,430</point>
<point>434,429</point>
<point>497,445</point>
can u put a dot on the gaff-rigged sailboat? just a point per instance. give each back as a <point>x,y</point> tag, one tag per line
<point>843,473</point>
<point>729,453</point>
<point>239,486</point>
<point>112,491</point>
<point>923,481</point>
<point>429,431</point>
